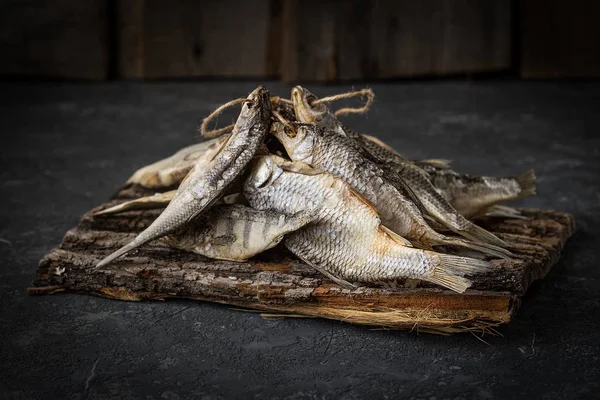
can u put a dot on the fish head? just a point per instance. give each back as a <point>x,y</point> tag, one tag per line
<point>307,111</point>
<point>298,139</point>
<point>265,170</point>
<point>257,108</point>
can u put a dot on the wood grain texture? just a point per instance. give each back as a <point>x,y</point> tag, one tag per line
<point>186,38</point>
<point>332,40</point>
<point>560,39</point>
<point>279,282</point>
<point>58,39</point>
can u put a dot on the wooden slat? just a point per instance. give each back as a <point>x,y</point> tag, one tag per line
<point>186,38</point>
<point>57,39</point>
<point>278,281</point>
<point>329,40</point>
<point>560,39</point>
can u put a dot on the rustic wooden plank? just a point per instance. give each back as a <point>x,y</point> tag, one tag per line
<point>560,39</point>
<point>59,39</point>
<point>277,281</point>
<point>186,38</point>
<point>330,40</point>
<point>129,31</point>
<point>432,38</point>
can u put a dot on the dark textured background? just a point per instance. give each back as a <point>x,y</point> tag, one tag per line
<point>66,148</point>
<point>299,40</point>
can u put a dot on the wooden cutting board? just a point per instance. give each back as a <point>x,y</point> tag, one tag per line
<point>278,282</point>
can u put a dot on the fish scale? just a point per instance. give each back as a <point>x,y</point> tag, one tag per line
<point>435,204</point>
<point>475,195</point>
<point>366,178</point>
<point>346,240</point>
<point>203,186</point>
<point>372,182</point>
<point>235,232</point>
<point>408,178</point>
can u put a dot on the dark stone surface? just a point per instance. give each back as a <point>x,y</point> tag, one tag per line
<point>66,148</point>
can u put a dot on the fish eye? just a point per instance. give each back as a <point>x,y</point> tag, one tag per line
<point>310,99</point>
<point>290,131</point>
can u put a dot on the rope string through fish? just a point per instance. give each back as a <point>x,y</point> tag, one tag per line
<point>350,110</point>
<point>217,112</point>
<point>283,120</point>
<point>278,99</point>
<point>342,111</point>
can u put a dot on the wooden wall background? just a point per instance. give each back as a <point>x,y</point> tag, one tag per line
<point>298,40</point>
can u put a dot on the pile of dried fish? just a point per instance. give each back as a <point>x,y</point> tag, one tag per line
<point>345,203</point>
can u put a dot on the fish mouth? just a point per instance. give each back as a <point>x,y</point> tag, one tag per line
<point>259,97</point>
<point>305,111</point>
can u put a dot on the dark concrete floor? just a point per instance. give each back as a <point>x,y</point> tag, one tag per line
<point>66,148</point>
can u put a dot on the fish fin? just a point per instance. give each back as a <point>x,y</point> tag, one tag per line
<point>485,248</point>
<point>412,196</point>
<point>157,200</point>
<point>502,211</point>
<point>328,274</point>
<point>336,279</point>
<point>403,187</point>
<point>434,224</point>
<point>234,259</point>
<point>380,143</point>
<point>527,183</point>
<point>299,167</point>
<point>451,271</point>
<point>392,175</point>
<point>435,162</point>
<point>363,200</point>
<point>395,237</point>
<point>476,233</point>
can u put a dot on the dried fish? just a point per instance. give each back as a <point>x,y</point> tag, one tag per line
<point>470,195</point>
<point>341,156</point>
<point>205,184</point>
<point>171,170</point>
<point>474,195</point>
<point>346,240</point>
<point>236,232</point>
<point>435,206</point>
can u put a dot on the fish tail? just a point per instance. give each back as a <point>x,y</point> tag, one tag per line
<point>476,233</point>
<point>526,182</point>
<point>451,270</point>
<point>485,248</point>
<point>172,218</point>
<point>502,211</point>
<point>123,250</point>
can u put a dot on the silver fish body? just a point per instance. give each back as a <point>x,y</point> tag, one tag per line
<point>475,195</point>
<point>342,157</point>
<point>236,232</point>
<point>470,195</point>
<point>209,179</point>
<point>346,240</point>
<point>433,203</point>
